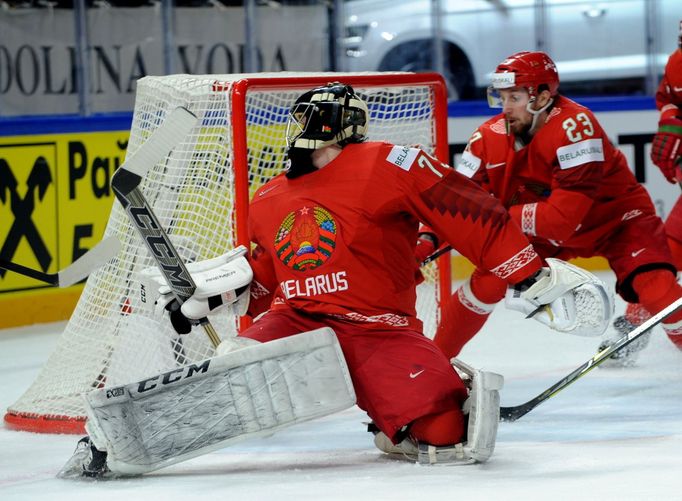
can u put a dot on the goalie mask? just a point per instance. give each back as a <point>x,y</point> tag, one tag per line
<point>321,117</point>
<point>328,115</point>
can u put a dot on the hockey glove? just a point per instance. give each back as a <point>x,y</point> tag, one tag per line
<point>220,282</point>
<point>426,245</point>
<point>666,149</point>
<point>565,298</point>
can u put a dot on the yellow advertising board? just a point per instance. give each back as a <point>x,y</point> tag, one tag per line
<point>55,200</point>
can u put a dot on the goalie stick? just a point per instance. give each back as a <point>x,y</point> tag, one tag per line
<point>105,250</point>
<point>125,182</point>
<point>514,413</point>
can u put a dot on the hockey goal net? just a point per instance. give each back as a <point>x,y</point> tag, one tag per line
<point>200,194</point>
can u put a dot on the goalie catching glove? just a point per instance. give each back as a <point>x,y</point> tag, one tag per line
<point>565,298</point>
<point>666,148</point>
<point>220,282</point>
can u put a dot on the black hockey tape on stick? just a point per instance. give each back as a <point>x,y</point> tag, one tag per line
<point>435,255</point>
<point>125,183</point>
<point>514,413</point>
<point>105,250</point>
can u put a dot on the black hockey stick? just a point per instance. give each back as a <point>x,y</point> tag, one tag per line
<point>105,250</point>
<point>436,254</point>
<point>514,413</point>
<point>125,182</point>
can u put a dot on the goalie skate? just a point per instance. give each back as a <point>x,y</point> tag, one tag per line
<point>87,461</point>
<point>407,448</point>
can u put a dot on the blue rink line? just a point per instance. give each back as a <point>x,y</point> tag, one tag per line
<point>104,122</point>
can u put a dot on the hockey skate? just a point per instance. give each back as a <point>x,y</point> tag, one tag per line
<point>627,356</point>
<point>482,410</point>
<point>87,461</point>
<point>407,448</point>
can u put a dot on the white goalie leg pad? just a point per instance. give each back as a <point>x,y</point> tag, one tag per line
<point>483,406</point>
<point>208,405</point>
<point>483,409</point>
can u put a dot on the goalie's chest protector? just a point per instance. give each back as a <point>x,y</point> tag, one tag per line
<point>340,239</point>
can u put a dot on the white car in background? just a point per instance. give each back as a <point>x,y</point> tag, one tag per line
<point>599,46</point>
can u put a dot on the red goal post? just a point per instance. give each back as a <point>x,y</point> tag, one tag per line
<point>200,193</point>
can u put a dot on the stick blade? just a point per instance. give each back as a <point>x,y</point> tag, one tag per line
<point>89,262</point>
<point>511,414</point>
<point>173,130</point>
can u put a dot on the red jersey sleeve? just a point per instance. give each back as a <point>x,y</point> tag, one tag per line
<point>669,93</point>
<point>575,148</point>
<point>263,284</point>
<point>467,217</point>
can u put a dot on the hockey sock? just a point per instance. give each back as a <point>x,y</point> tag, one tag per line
<point>446,428</point>
<point>656,290</point>
<point>458,324</point>
<point>464,314</point>
<point>636,314</point>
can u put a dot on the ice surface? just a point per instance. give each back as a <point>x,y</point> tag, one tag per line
<point>614,434</point>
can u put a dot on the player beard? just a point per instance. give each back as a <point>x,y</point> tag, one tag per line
<point>518,127</point>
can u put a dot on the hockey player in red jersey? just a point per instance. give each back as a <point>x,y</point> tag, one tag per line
<point>333,241</point>
<point>666,150</point>
<point>666,153</point>
<point>334,236</point>
<point>547,159</point>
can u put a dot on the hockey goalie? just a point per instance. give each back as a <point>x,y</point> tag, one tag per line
<point>331,284</point>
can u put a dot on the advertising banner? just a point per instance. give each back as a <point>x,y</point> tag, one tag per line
<point>38,51</point>
<point>55,200</point>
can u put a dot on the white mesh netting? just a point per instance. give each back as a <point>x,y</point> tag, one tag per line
<point>113,337</point>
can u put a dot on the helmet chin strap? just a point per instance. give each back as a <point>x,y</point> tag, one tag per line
<point>536,113</point>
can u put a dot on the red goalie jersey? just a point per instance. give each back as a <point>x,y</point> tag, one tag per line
<point>340,241</point>
<point>569,187</point>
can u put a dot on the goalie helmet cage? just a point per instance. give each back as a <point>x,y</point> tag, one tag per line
<point>200,194</point>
